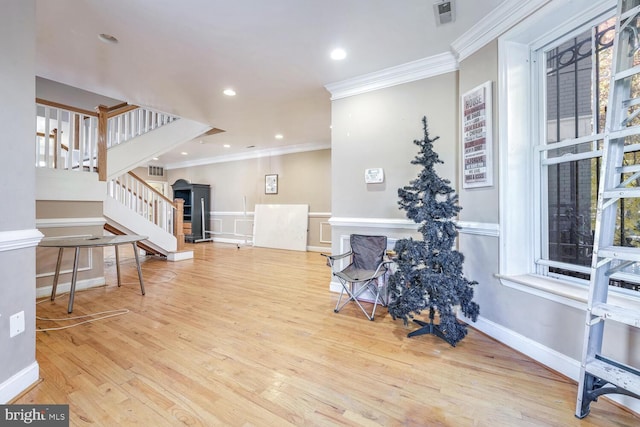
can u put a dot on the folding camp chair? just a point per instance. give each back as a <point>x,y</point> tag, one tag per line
<point>366,267</point>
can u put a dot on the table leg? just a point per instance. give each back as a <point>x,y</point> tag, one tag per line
<point>135,252</point>
<point>74,277</point>
<point>117,264</point>
<point>57,275</point>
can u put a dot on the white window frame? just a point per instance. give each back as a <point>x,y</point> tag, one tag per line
<point>521,222</point>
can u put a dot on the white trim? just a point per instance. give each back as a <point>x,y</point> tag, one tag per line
<point>318,248</point>
<point>19,382</point>
<point>373,222</point>
<point>319,214</point>
<point>70,222</point>
<point>565,292</point>
<point>400,74</point>
<point>19,239</point>
<point>503,17</point>
<point>230,213</point>
<point>290,149</point>
<point>547,356</point>
<point>466,227</point>
<point>45,291</point>
<point>179,256</point>
<point>478,228</point>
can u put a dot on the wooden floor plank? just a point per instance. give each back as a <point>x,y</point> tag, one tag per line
<point>248,337</point>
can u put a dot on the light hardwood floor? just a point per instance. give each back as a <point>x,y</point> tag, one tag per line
<point>248,337</point>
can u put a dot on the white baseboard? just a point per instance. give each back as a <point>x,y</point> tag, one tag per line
<point>179,256</point>
<point>324,249</point>
<point>21,381</point>
<point>45,291</point>
<point>548,357</point>
<point>552,359</point>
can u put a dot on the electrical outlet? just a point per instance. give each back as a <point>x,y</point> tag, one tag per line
<point>16,324</point>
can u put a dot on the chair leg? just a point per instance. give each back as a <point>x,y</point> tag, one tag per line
<point>353,296</point>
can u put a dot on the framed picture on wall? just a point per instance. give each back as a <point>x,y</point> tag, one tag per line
<point>476,137</point>
<point>271,184</point>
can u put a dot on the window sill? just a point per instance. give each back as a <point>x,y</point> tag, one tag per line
<point>566,293</point>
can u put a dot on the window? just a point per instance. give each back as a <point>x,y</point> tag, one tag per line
<point>553,86</point>
<point>550,115</point>
<point>573,96</point>
<point>575,88</point>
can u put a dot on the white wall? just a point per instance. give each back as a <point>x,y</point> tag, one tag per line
<point>18,236</point>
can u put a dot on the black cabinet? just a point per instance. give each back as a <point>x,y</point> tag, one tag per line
<point>196,209</point>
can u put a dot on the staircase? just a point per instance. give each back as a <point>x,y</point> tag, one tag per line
<point>85,155</point>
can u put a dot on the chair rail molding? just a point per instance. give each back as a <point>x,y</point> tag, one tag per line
<point>478,228</point>
<point>70,222</point>
<point>373,222</point>
<point>19,239</point>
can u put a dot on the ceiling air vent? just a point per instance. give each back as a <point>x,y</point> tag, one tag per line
<point>156,171</point>
<point>444,11</point>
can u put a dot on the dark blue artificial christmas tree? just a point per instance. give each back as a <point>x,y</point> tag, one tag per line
<point>429,271</point>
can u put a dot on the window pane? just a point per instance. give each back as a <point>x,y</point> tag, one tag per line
<point>572,195</point>
<point>569,92</point>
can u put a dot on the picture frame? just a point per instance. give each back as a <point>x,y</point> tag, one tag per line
<point>271,184</point>
<point>476,136</point>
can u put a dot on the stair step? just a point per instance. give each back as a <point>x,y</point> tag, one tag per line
<point>615,373</point>
<point>620,252</point>
<point>618,314</point>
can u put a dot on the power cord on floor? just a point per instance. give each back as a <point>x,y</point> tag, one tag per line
<point>108,314</point>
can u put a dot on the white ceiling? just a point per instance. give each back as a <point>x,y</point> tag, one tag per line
<point>178,57</point>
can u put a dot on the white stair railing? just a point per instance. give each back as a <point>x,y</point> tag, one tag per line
<point>135,194</point>
<point>129,122</point>
<point>66,138</point>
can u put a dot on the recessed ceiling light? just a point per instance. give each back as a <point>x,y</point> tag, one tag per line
<point>338,54</point>
<point>156,158</point>
<point>107,38</point>
<point>279,136</point>
<point>226,146</point>
<point>229,92</point>
<point>184,153</point>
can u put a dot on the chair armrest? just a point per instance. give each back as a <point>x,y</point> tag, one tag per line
<point>332,258</point>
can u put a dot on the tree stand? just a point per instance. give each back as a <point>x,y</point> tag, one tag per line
<point>430,328</point>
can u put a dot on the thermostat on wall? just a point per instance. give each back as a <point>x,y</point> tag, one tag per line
<point>373,176</point>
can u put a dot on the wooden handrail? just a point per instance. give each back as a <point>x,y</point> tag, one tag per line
<point>159,194</point>
<point>113,112</point>
<point>66,107</point>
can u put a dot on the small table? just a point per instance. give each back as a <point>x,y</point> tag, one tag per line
<point>89,242</point>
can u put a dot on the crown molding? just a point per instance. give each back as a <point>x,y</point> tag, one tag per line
<point>291,149</point>
<point>404,73</point>
<point>501,19</point>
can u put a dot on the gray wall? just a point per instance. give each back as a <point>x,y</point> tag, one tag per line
<point>303,178</point>
<point>377,129</point>
<point>17,189</point>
